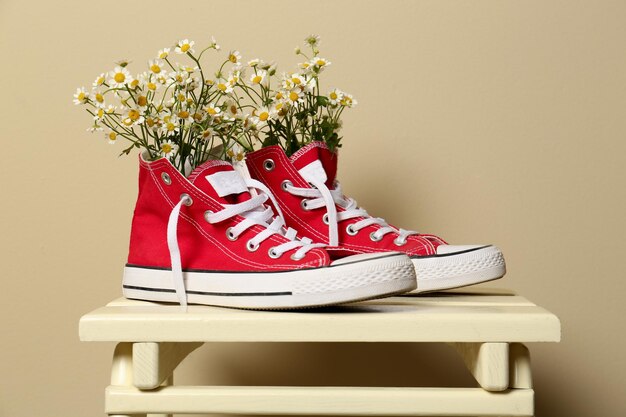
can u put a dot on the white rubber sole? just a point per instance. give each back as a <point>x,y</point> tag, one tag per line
<point>453,270</point>
<point>355,278</point>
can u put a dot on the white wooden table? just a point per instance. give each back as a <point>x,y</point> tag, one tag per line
<point>487,327</point>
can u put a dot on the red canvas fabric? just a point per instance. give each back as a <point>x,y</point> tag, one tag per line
<point>309,223</point>
<point>203,246</point>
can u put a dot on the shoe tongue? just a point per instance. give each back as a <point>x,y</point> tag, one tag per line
<point>315,160</point>
<point>221,181</point>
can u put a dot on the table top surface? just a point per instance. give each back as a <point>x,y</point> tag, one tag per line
<point>464,315</point>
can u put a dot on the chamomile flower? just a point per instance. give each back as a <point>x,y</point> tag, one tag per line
<point>265,114</point>
<point>110,109</point>
<point>132,117</point>
<point>169,125</point>
<point>156,66</point>
<point>142,102</point>
<point>199,116</point>
<point>119,77</point>
<point>224,86</point>
<point>235,153</point>
<point>111,136</point>
<point>207,133</point>
<point>234,57</point>
<point>335,96</point>
<point>168,149</point>
<point>184,46</point>
<point>295,97</point>
<point>178,77</point>
<point>95,128</point>
<point>163,53</point>
<point>98,114</point>
<point>214,44</point>
<point>100,79</point>
<point>213,110</point>
<point>319,64</point>
<point>256,62</point>
<point>305,67</point>
<point>313,40</point>
<point>98,98</point>
<point>81,96</point>
<point>348,101</point>
<point>184,116</point>
<point>232,111</point>
<point>259,77</point>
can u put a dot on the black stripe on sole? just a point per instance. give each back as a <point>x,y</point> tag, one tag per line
<point>220,294</point>
<point>443,255</point>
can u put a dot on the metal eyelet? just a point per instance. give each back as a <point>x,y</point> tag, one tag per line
<point>206,215</point>
<point>325,218</point>
<point>285,184</point>
<point>304,205</point>
<point>186,199</point>
<point>230,235</point>
<point>351,230</point>
<point>399,242</point>
<point>273,254</point>
<point>268,164</point>
<point>296,258</point>
<point>251,246</point>
<point>375,238</point>
<point>166,178</point>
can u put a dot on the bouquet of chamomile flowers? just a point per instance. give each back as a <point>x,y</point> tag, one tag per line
<point>187,114</point>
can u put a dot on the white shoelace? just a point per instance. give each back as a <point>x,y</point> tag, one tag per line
<point>254,213</point>
<point>321,196</point>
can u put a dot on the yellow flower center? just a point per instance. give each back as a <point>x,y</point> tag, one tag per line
<point>112,136</point>
<point>185,47</point>
<point>100,113</point>
<point>119,77</point>
<point>320,62</point>
<point>257,79</point>
<point>278,106</point>
<point>151,86</point>
<point>99,98</point>
<point>333,96</point>
<point>197,117</point>
<point>81,96</point>
<point>150,121</point>
<point>142,101</point>
<point>264,116</point>
<point>166,148</point>
<point>100,81</point>
<point>163,55</point>
<point>221,87</point>
<point>155,68</point>
<point>181,97</point>
<point>296,80</point>
<point>211,111</point>
<point>207,133</point>
<point>134,84</point>
<point>293,96</point>
<point>279,96</point>
<point>233,109</point>
<point>183,114</point>
<point>133,115</point>
<point>232,58</point>
<point>170,127</point>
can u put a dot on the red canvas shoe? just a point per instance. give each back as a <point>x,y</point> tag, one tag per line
<point>312,202</point>
<point>207,239</point>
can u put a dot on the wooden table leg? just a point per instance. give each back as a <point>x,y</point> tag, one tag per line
<point>122,371</point>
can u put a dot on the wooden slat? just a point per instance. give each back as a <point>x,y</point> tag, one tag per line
<point>436,318</point>
<point>320,401</point>
<point>488,363</point>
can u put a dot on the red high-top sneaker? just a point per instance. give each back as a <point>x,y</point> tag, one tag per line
<point>207,239</point>
<point>311,201</point>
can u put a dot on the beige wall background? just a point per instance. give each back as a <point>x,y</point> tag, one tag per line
<point>486,121</point>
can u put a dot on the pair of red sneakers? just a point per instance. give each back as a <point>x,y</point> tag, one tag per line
<point>226,237</point>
